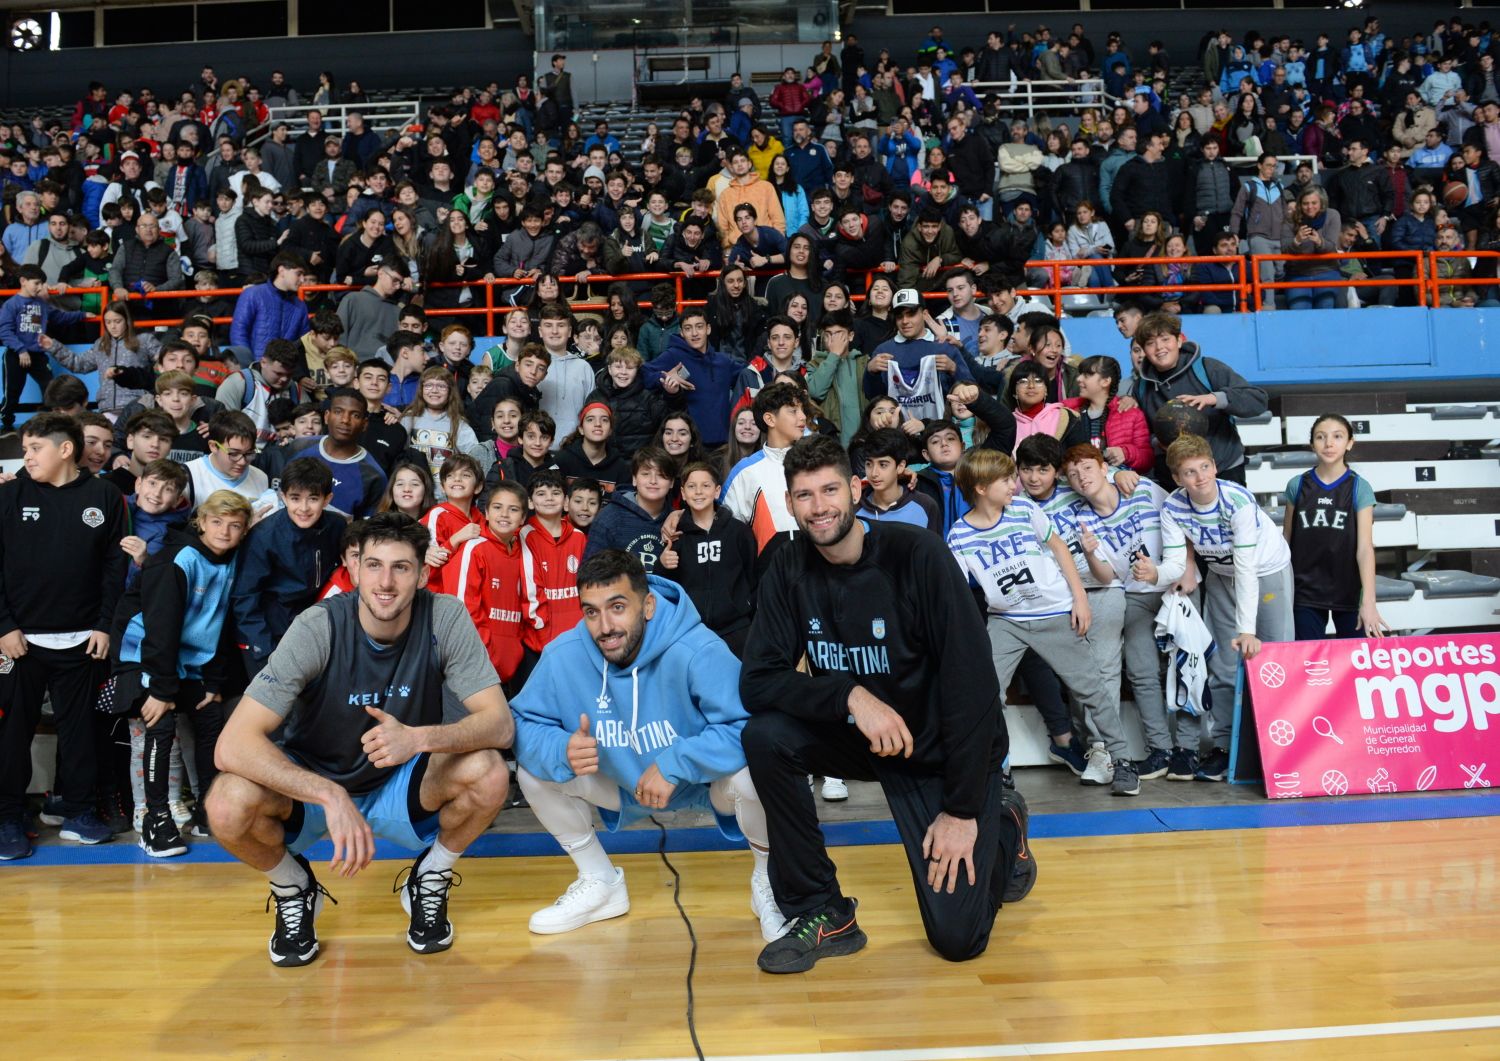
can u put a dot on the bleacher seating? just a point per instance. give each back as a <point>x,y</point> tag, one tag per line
<point>1434,516</point>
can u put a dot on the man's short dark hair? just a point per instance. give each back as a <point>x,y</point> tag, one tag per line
<point>57,428</point>
<point>393,527</point>
<point>65,392</point>
<point>812,452</point>
<point>544,422</point>
<point>401,341</point>
<point>226,425</point>
<point>168,471</point>
<point>153,421</point>
<point>1039,451</point>
<point>611,565</point>
<point>307,473</point>
<point>887,442</point>
<point>695,311</point>
<point>326,322</point>
<point>286,352</point>
<point>652,456</point>
<point>585,485</point>
<point>287,260</point>
<point>771,400</point>
<point>372,362</point>
<point>838,318</point>
<point>546,477</point>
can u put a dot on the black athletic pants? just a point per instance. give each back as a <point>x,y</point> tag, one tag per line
<point>208,723</point>
<point>783,750</point>
<point>73,679</point>
<point>15,382</point>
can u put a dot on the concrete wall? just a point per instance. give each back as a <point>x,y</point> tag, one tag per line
<point>376,60</point>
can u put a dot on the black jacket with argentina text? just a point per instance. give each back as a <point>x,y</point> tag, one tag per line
<point>61,566</point>
<point>901,623</point>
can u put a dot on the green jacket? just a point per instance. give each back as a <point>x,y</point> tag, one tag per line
<point>842,378</point>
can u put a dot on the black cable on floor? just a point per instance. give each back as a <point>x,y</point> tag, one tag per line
<point>692,936</point>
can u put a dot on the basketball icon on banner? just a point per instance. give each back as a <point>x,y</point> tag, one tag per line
<point>1335,783</point>
<point>1272,675</point>
<point>1281,732</point>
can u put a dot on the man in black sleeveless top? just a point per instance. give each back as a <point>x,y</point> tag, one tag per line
<point>356,691</point>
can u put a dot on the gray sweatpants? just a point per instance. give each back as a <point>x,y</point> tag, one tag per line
<point>1081,671</point>
<point>1273,622</point>
<point>1143,667</point>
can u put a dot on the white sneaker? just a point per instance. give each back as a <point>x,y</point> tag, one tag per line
<point>587,900</point>
<point>773,923</point>
<point>181,815</point>
<point>1100,771</point>
<point>834,790</point>
<point>138,818</point>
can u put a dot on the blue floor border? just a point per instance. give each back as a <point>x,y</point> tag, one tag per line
<point>1278,814</point>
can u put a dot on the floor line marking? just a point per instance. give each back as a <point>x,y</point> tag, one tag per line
<point>1148,1042</point>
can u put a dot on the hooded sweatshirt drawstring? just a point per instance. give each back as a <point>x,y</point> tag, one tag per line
<point>635,701</point>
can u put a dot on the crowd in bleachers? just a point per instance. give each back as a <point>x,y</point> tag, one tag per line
<point>847,257</point>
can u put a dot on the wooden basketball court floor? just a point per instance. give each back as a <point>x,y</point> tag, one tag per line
<point>1351,938</point>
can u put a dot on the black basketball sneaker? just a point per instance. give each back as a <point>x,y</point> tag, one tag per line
<point>1022,872</point>
<point>295,941</point>
<point>425,897</point>
<point>827,933</point>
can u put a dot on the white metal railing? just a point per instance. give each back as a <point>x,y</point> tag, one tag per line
<point>388,117</point>
<point>1289,161</point>
<point>1043,97</point>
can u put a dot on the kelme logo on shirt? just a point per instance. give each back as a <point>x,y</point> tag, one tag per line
<point>92,517</point>
<point>815,626</point>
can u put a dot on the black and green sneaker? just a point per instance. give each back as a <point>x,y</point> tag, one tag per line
<point>1022,876</point>
<point>827,933</point>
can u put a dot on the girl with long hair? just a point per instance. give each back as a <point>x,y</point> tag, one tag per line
<point>435,424</point>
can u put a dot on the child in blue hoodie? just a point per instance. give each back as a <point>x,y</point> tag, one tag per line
<point>24,320</point>
<point>170,650</point>
<point>636,710</point>
<point>633,518</point>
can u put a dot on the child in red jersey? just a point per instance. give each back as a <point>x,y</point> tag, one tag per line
<point>457,519</point>
<point>551,551</point>
<point>485,573</point>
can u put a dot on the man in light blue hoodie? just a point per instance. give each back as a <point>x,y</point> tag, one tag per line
<point>635,710</point>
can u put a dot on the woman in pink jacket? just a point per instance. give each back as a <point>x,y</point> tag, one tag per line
<point>1122,434</point>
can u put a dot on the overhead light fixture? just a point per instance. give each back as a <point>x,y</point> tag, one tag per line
<point>26,34</point>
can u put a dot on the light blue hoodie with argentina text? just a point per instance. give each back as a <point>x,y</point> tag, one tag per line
<point>676,705</point>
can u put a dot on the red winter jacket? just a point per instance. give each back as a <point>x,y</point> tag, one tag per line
<point>791,99</point>
<point>1127,430</point>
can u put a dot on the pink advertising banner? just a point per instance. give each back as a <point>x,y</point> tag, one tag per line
<point>1395,714</point>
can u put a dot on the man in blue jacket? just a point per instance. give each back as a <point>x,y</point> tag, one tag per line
<point>690,366</point>
<point>272,310</point>
<point>633,711</point>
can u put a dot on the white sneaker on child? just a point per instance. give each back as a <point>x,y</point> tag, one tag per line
<point>138,818</point>
<point>1101,770</point>
<point>182,816</point>
<point>834,790</point>
<point>773,923</point>
<point>587,900</point>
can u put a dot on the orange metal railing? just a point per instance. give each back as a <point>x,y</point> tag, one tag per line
<point>1249,289</point>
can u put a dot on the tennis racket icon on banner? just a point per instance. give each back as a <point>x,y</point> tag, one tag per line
<point>1323,728</point>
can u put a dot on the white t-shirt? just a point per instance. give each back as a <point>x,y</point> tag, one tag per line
<point>1011,564</point>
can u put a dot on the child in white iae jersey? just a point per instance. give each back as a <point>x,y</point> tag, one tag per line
<point>1010,550</point>
<point>1116,532</point>
<point>1247,597</point>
